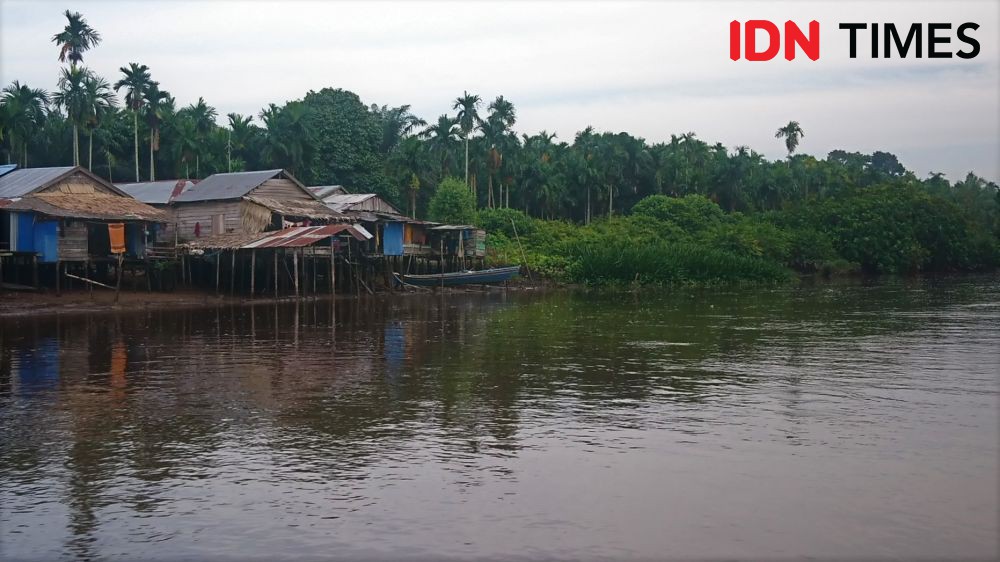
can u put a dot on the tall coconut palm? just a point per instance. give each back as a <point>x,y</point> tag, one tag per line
<point>239,135</point>
<point>791,132</point>
<point>203,116</point>
<point>468,118</point>
<point>72,96</point>
<point>101,102</point>
<point>156,102</point>
<point>24,110</point>
<point>75,39</point>
<point>136,81</point>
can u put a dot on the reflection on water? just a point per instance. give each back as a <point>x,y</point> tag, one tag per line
<point>840,421</point>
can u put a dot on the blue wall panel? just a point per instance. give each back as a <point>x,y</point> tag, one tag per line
<point>47,241</point>
<point>392,239</point>
<point>25,231</point>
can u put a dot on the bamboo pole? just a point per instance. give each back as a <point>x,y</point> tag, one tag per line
<point>90,281</point>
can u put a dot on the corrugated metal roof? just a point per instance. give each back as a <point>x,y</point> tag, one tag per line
<point>7,168</point>
<point>324,191</point>
<point>226,186</point>
<point>341,202</point>
<point>156,192</point>
<point>454,227</point>
<point>299,236</point>
<point>23,181</point>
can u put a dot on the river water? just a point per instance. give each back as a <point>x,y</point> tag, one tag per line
<point>848,421</point>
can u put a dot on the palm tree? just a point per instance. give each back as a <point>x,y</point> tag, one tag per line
<point>289,139</point>
<point>397,124</point>
<point>136,81</point>
<point>72,96</point>
<point>101,102</point>
<point>186,142</point>
<point>467,117</point>
<point>503,112</point>
<point>791,132</point>
<point>441,136</point>
<point>238,136</point>
<point>75,39</point>
<point>24,110</point>
<point>203,116</point>
<point>157,102</point>
<point>112,136</point>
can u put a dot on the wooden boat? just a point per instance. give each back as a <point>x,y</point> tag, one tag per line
<point>495,275</point>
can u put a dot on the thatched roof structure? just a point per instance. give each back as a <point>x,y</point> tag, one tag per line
<point>93,206</point>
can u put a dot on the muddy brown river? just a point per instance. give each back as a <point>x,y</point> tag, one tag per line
<point>833,421</point>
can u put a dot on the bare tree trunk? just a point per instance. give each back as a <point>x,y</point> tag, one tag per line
<point>135,132</point>
<point>76,145</point>
<point>152,164</point>
<point>413,203</point>
<point>587,221</point>
<point>611,200</point>
<point>466,159</point>
<point>90,151</point>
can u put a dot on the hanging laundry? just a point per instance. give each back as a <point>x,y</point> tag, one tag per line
<point>116,232</point>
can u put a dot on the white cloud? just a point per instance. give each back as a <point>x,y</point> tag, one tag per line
<point>648,68</point>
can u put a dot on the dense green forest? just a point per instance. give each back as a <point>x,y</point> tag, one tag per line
<point>601,206</point>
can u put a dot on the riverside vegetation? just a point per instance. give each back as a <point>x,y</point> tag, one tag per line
<point>605,208</point>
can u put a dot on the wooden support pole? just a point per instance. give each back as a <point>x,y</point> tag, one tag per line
<point>333,275</point>
<point>314,273</point>
<point>58,275</point>
<point>218,267</point>
<point>295,271</point>
<point>253,269</point>
<point>232,272</point>
<point>118,281</point>
<point>276,274</point>
<point>34,270</point>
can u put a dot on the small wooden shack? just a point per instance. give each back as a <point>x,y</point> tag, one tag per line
<point>246,202</point>
<point>61,215</point>
<point>158,194</point>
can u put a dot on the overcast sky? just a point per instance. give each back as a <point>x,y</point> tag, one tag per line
<point>651,69</point>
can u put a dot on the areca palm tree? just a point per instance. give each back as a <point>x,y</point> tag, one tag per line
<point>157,103</point>
<point>203,116</point>
<point>441,137</point>
<point>75,39</point>
<point>24,111</point>
<point>791,132</point>
<point>101,102</point>
<point>136,81</point>
<point>239,136</point>
<point>73,97</point>
<point>468,117</point>
<point>186,142</point>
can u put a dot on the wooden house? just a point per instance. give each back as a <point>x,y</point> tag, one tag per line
<point>246,203</point>
<point>158,194</point>
<point>61,215</point>
<point>388,225</point>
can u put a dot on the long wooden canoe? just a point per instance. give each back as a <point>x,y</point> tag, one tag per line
<point>495,275</point>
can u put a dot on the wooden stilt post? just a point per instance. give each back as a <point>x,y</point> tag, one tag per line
<point>218,268</point>
<point>295,271</point>
<point>333,275</point>
<point>118,280</point>
<point>253,269</point>
<point>58,277</point>
<point>86,273</point>
<point>275,273</point>
<point>34,270</point>
<point>232,272</point>
<point>314,273</point>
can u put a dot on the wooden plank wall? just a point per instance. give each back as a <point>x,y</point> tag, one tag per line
<point>282,190</point>
<point>186,215</point>
<point>73,241</point>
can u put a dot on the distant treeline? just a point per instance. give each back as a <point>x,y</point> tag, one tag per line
<point>132,130</point>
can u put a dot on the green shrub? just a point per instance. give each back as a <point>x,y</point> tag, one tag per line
<point>692,213</point>
<point>505,220</point>
<point>453,203</point>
